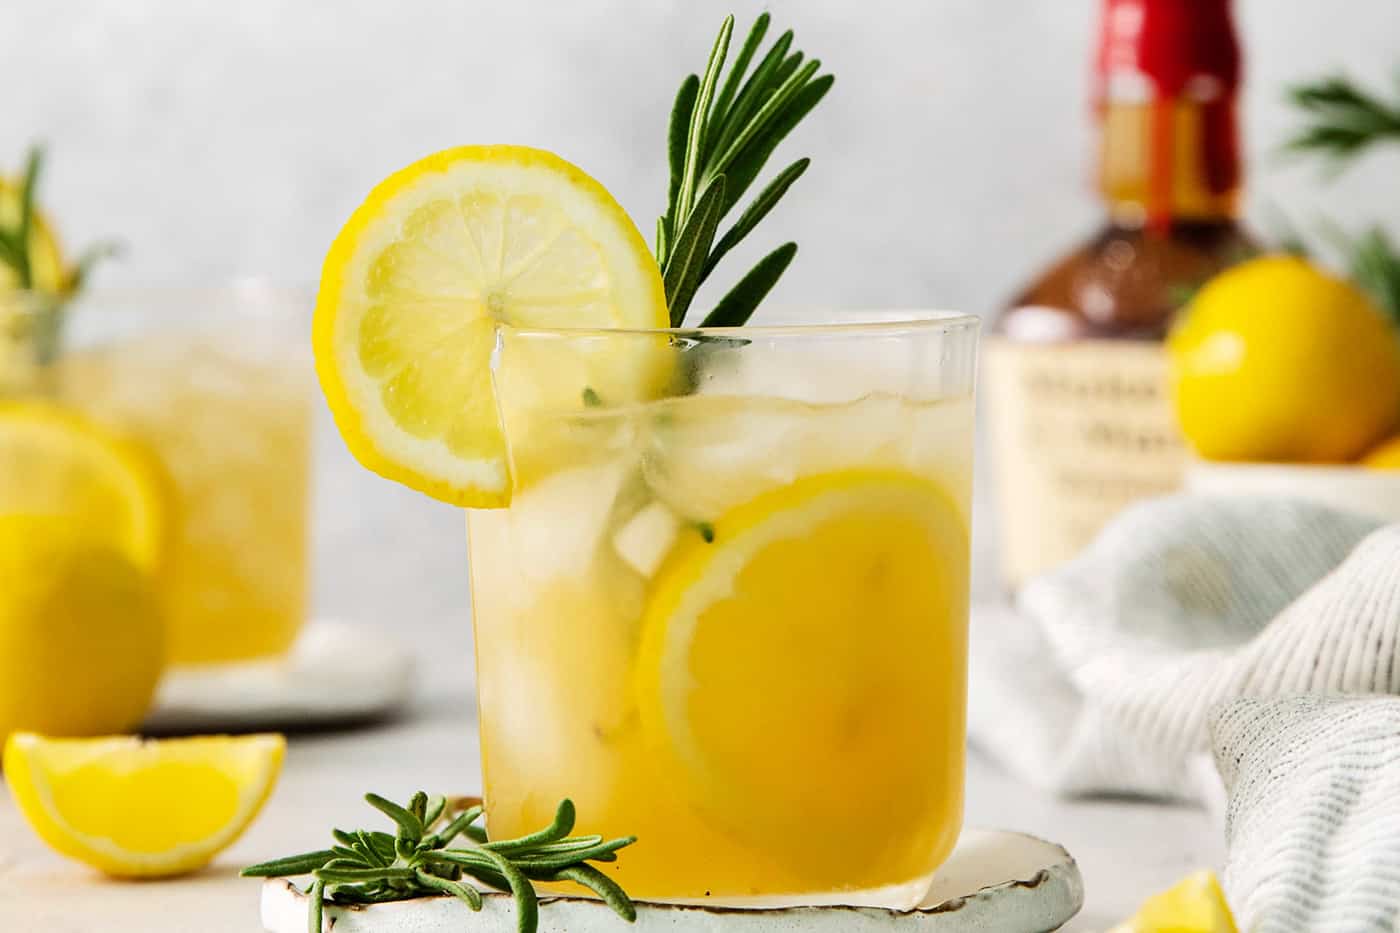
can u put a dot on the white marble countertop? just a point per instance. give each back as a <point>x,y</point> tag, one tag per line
<point>1125,849</point>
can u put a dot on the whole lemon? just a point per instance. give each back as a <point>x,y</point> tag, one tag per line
<point>1384,457</point>
<point>1276,360</point>
<point>82,645</point>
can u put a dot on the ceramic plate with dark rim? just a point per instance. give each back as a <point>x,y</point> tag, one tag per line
<point>994,882</point>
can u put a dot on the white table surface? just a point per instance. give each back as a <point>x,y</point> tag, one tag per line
<point>1125,849</point>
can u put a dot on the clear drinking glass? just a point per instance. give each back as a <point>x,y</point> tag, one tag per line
<point>30,326</point>
<point>217,383</point>
<point>726,608</point>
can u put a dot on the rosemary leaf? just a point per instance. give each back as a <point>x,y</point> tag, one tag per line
<point>551,862</point>
<point>344,853</point>
<point>768,113</point>
<point>373,849</point>
<point>317,897</point>
<point>755,212</point>
<point>686,265</point>
<point>527,904</point>
<point>463,892</point>
<point>433,809</point>
<point>736,73</point>
<point>676,136</point>
<point>755,91</point>
<point>291,865</point>
<point>1345,120</point>
<point>700,113</point>
<point>457,826</point>
<point>410,826</point>
<point>25,232</point>
<point>750,162</point>
<point>785,70</point>
<point>1375,266</point>
<point>562,825</point>
<point>663,239</point>
<point>736,307</point>
<point>10,251</point>
<point>346,874</point>
<point>603,886</point>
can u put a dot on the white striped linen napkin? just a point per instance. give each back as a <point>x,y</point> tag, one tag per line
<point>1268,615</point>
<point>1313,823</point>
<point>1106,680</point>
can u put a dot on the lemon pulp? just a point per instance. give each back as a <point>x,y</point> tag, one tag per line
<point>418,280</point>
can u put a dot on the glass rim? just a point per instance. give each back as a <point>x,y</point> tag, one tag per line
<point>881,323</point>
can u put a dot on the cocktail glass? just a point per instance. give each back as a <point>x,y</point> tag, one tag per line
<point>217,383</point>
<point>726,608</point>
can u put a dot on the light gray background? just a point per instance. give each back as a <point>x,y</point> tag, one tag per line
<point>224,140</point>
<point>953,158</point>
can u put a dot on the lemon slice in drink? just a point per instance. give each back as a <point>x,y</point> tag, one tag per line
<point>417,280</point>
<point>56,462</point>
<point>137,808</point>
<point>802,668</point>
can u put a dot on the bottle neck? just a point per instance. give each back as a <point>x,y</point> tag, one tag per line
<point>1168,76</point>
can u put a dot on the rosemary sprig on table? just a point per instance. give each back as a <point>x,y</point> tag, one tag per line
<point>720,138</point>
<point>1344,119</point>
<point>418,860</point>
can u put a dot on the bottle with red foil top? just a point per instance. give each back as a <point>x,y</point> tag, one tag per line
<point>1075,370</point>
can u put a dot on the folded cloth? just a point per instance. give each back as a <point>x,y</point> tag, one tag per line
<point>1104,677</point>
<point>1313,823</point>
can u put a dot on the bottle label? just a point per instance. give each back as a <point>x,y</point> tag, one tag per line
<point>1079,431</point>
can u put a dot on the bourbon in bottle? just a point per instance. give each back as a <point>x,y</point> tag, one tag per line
<point>1075,369</point>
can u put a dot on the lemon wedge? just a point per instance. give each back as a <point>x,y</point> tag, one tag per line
<point>139,808</point>
<point>416,282</point>
<point>58,463</point>
<point>1195,904</point>
<point>804,668</point>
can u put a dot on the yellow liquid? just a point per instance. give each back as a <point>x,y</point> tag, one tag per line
<point>233,431</point>
<point>806,738</point>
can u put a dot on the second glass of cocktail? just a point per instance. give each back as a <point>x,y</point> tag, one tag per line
<point>731,619</point>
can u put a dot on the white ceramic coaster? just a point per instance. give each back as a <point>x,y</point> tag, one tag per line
<point>994,882</point>
<point>336,674</point>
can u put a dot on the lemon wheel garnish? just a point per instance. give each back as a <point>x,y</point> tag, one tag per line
<point>416,282</point>
<point>138,808</point>
<point>805,668</point>
<point>56,462</point>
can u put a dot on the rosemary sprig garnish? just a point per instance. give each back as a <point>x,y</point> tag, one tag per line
<point>720,138</point>
<point>1345,120</point>
<point>418,860</point>
<point>17,239</point>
